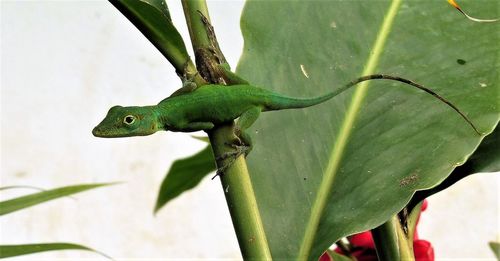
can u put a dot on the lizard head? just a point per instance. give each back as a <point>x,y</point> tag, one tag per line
<point>126,122</point>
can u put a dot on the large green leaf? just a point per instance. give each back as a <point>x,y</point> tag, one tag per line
<point>25,249</point>
<point>152,18</point>
<point>484,159</point>
<point>350,164</point>
<point>16,204</point>
<point>487,157</point>
<point>184,175</point>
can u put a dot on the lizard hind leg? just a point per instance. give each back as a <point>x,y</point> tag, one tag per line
<point>243,142</point>
<point>244,122</point>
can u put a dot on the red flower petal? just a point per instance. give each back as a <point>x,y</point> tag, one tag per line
<point>325,257</point>
<point>423,250</point>
<point>365,247</point>
<point>364,239</point>
<point>424,205</point>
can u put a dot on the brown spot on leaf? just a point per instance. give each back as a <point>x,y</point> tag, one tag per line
<point>408,180</point>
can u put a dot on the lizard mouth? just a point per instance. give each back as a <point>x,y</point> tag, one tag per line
<point>97,132</point>
<point>109,133</point>
<point>105,133</point>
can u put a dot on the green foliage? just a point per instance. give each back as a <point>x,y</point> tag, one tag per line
<point>18,187</point>
<point>18,250</point>
<point>484,159</point>
<point>350,164</point>
<point>495,247</point>
<point>152,18</point>
<point>184,175</point>
<point>16,204</point>
<point>9,206</point>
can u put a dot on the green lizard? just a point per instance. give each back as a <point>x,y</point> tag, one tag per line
<point>211,105</point>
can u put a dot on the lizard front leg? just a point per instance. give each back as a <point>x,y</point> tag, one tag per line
<point>188,84</point>
<point>244,122</point>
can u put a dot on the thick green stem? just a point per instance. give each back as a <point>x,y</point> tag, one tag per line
<point>241,201</point>
<point>386,241</point>
<point>192,11</point>
<point>391,242</point>
<point>236,182</point>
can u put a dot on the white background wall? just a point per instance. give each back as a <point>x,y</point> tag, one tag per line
<point>63,64</point>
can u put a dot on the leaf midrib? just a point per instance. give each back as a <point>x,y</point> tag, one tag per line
<point>340,143</point>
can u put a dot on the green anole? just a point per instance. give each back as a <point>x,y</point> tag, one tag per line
<point>193,108</point>
<point>211,105</point>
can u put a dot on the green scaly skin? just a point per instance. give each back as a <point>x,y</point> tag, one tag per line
<point>208,106</point>
<point>212,105</point>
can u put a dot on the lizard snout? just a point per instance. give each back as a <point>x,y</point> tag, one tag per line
<point>97,132</point>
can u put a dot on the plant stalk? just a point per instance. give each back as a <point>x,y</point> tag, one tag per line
<point>241,201</point>
<point>235,180</point>
<point>197,31</point>
<point>391,241</point>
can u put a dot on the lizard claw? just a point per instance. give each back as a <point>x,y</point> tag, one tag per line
<point>238,150</point>
<point>219,172</point>
<point>231,156</point>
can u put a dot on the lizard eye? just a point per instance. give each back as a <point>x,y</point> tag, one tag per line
<point>129,119</point>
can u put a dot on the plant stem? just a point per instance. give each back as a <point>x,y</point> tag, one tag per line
<point>391,241</point>
<point>386,240</point>
<point>197,30</point>
<point>241,201</point>
<point>405,245</point>
<point>236,182</point>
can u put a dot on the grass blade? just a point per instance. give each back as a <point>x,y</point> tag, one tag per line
<point>15,204</point>
<point>25,249</point>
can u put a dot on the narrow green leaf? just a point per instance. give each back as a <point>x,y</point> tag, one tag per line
<point>21,187</point>
<point>161,5</point>
<point>495,247</point>
<point>25,249</point>
<point>15,204</point>
<point>184,175</point>
<point>152,18</point>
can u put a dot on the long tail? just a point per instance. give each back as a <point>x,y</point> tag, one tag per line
<point>301,103</point>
